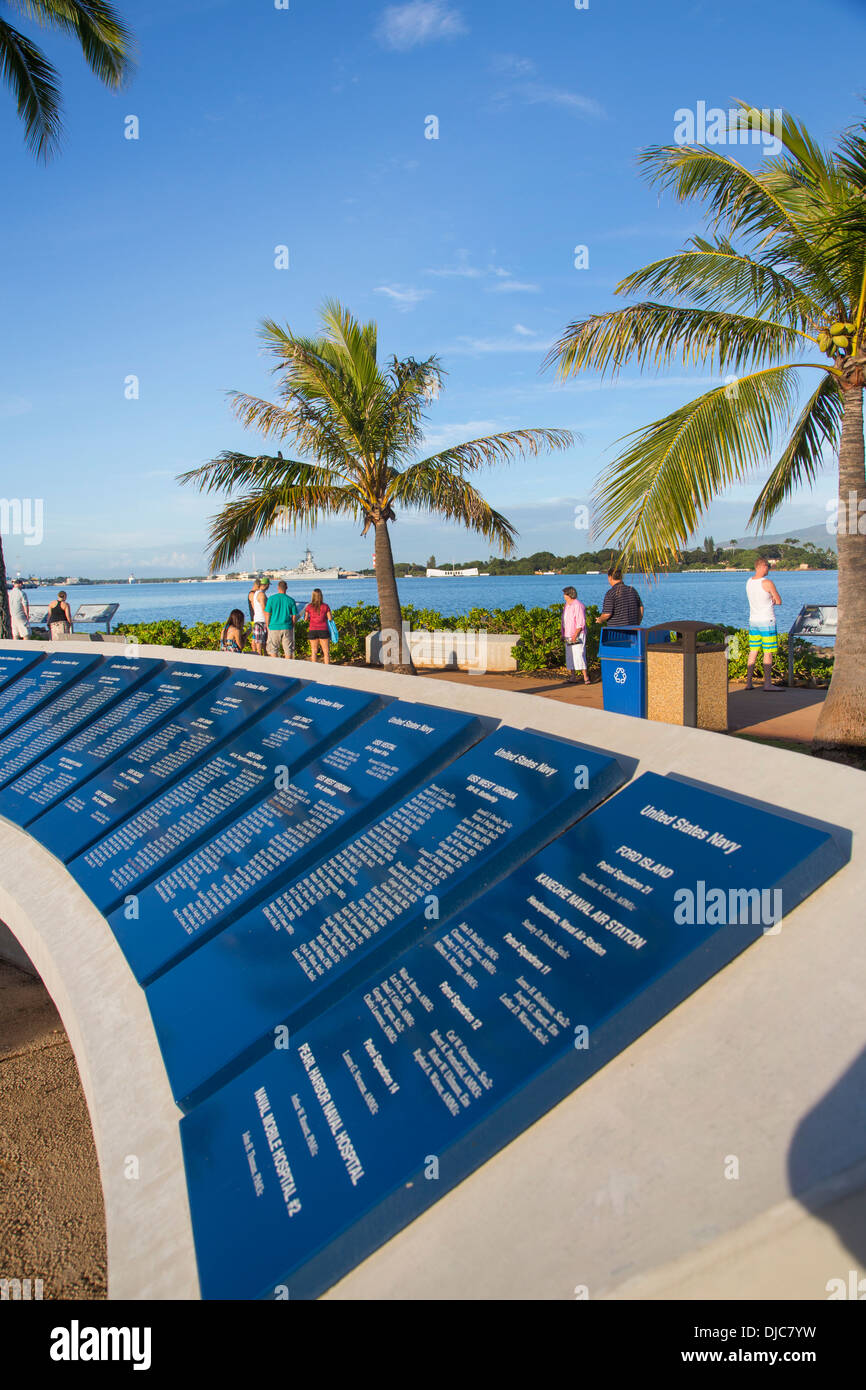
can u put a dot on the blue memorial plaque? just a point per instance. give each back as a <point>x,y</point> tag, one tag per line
<point>287,830</point>
<point>15,662</point>
<point>99,742</point>
<point>217,791</point>
<point>74,706</point>
<point>160,760</point>
<point>305,1163</point>
<point>299,950</point>
<point>35,686</point>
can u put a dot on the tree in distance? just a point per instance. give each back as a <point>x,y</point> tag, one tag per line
<point>359,428</point>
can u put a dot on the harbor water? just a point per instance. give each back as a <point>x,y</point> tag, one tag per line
<point>711,597</point>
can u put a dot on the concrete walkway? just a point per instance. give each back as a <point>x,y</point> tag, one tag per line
<point>52,1222</point>
<point>789,715</point>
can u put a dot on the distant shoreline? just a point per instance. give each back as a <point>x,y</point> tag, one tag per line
<point>354,578</point>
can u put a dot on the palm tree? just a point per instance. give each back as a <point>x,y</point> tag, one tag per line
<point>361,424</point>
<point>106,44</point>
<point>787,300</point>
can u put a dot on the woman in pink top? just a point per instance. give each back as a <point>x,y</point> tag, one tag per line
<point>574,635</point>
<point>317,614</point>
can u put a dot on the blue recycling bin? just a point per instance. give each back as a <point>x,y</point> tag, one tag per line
<point>622,652</point>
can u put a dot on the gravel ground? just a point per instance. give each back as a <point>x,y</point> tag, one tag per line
<point>52,1223</point>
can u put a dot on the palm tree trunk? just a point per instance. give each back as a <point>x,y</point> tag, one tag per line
<point>5,620</point>
<point>395,654</point>
<point>841,730</point>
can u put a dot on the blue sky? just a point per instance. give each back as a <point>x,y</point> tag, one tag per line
<point>305,127</point>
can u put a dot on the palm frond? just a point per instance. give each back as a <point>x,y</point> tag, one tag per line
<point>438,490</point>
<point>401,421</point>
<point>485,453</point>
<point>818,427</point>
<point>267,510</point>
<point>106,41</point>
<point>230,470</point>
<point>311,427</point>
<point>738,201</point>
<point>35,87</point>
<point>716,275</point>
<point>651,496</point>
<point>658,334</point>
<point>318,370</point>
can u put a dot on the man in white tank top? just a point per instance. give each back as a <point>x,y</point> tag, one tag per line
<point>763,600</point>
<point>257,598</point>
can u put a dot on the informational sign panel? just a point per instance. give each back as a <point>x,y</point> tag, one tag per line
<point>302,947</point>
<point>139,775</point>
<point>95,613</point>
<point>813,620</point>
<point>105,738</point>
<point>298,1168</point>
<point>293,826</point>
<point>73,707</point>
<point>220,789</point>
<point>816,620</point>
<point>34,687</point>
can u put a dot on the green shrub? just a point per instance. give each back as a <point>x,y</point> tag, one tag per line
<point>204,637</point>
<point>539,640</point>
<point>167,632</point>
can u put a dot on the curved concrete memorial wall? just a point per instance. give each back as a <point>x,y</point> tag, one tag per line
<point>342,955</point>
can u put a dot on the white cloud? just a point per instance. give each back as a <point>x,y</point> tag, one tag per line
<point>14,405</point>
<point>505,281</point>
<point>406,26</point>
<point>459,272</point>
<point>476,347</point>
<point>514,287</point>
<point>526,332</point>
<point>540,94</point>
<point>404,297</point>
<point>444,436</point>
<point>521,75</point>
<point>512,66</point>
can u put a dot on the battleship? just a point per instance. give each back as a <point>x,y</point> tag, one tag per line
<point>308,569</point>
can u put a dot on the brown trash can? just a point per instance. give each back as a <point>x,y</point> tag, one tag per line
<point>687,680</point>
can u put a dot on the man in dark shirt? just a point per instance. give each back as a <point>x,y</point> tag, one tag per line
<point>622,605</point>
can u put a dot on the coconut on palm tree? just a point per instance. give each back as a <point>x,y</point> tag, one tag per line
<point>774,297</point>
<point>106,44</point>
<point>359,428</point>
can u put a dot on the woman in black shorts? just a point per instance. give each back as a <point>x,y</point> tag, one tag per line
<point>317,614</point>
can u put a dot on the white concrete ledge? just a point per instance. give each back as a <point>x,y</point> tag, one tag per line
<point>625,1176</point>
<point>437,649</point>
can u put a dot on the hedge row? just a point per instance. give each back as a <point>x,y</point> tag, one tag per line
<point>539,645</point>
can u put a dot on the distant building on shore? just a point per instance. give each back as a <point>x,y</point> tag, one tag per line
<point>452,574</point>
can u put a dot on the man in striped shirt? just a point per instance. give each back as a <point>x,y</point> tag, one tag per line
<point>622,605</point>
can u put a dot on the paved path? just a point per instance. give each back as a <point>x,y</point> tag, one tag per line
<point>787,715</point>
<point>52,1225</point>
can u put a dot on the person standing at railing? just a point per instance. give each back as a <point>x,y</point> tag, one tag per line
<point>763,599</point>
<point>282,612</point>
<point>258,598</point>
<point>59,617</point>
<point>622,605</point>
<point>19,611</point>
<point>317,614</point>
